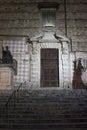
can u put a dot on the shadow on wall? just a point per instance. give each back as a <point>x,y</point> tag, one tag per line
<point>77,76</point>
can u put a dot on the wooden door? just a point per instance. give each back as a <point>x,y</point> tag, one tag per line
<point>49,68</point>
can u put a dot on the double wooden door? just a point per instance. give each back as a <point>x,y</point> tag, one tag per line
<point>49,68</point>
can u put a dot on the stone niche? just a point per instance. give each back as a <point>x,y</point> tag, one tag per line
<point>6,77</point>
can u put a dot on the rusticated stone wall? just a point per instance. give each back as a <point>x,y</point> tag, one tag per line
<point>20,17</point>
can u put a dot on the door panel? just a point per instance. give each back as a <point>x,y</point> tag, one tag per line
<point>49,68</point>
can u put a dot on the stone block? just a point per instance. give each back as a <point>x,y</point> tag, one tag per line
<point>6,78</point>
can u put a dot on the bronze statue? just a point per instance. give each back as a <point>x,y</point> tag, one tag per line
<point>6,56</point>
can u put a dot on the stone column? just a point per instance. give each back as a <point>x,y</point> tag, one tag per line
<point>65,62</point>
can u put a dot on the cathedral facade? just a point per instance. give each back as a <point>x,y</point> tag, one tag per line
<point>48,40</point>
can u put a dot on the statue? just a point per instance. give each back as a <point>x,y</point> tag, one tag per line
<point>3,55</point>
<point>77,77</point>
<point>6,56</point>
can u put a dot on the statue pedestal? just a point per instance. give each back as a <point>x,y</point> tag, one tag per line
<point>6,77</point>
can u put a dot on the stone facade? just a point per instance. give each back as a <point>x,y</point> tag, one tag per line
<point>23,18</point>
<point>21,27</point>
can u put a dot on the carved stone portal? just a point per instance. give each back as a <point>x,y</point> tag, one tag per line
<point>49,40</point>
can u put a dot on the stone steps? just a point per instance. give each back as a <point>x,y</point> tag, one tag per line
<point>41,109</point>
<point>44,125</point>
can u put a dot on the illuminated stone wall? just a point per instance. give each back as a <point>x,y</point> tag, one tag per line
<point>20,17</point>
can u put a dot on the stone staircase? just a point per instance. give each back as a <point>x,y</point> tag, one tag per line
<point>44,110</point>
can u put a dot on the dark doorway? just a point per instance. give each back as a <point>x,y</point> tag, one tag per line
<point>49,68</point>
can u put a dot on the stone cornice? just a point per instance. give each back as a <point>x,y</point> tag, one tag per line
<point>48,36</point>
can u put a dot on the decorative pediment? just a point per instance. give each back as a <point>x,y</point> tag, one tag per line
<point>48,36</point>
